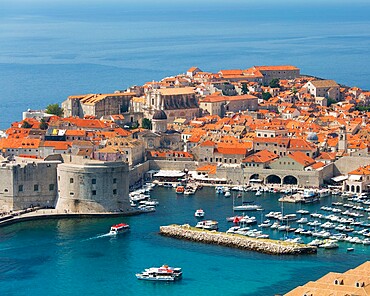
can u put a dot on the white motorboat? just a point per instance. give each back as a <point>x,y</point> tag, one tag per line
<point>316,243</point>
<point>199,213</point>
<point>303,212</point>
<point>329,245</point>
<point>207,225</point>
<point>233,229</point>
<point>247,207</point>
<point>302,221</point>
<point>119,228</point>
<point>163,273</point>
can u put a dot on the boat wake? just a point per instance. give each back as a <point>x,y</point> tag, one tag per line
<point>98,236</point>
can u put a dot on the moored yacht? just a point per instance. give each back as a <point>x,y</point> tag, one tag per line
<point>207,225</point>
<point>247,207</point>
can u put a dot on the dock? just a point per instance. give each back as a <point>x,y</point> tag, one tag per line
<point>266,246</point>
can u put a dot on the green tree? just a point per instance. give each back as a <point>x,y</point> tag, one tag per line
<point>26,124</point>
<point>54,109</point>
<point>43,124</point>
<point>331,102</point>
<point>266,96</point>
<point>244,89</point>
<point>274,83</point>
<point>362,108</point>
<point>146,123</point>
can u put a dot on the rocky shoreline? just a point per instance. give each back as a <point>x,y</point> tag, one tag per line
<point>266,246</point>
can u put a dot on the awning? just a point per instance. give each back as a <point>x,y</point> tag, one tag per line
<point>174,174</point>
<point>354,178</point>
<point>339,178</point>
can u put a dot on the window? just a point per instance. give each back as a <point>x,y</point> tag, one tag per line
<point>71,193</point>
<point>51,187</point>
<point>93,181</point>
<point>114,181</point>
<point>94,192</point>
<point>6,190</point>
<point>20,188</point>
<point>71,180</point>
<point>36,187</point>
<point>114,191</point>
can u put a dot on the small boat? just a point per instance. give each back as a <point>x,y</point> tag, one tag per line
<point>302,221</point>
<point>163,273</point>
<point>227,194</point>
<point>199,213</point>
<point>119,228</point>
<point>329,245</point>
<point>303,212</point>
<point>207,225</point>
<point>219,189</point>
<point>247,207</point>
<point>350,249</point>
<point>233,218</point>
<point>180,189</point>
<point>258,193</point>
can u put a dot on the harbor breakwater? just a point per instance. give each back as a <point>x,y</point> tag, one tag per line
<point>266,246</point>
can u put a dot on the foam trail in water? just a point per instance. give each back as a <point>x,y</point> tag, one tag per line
<point>98,236</point>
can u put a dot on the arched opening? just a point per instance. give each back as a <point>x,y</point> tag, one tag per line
<point>353,188</point>
<point>347,187</point>
<point>358,189</point>
<point>273,179</point>
<point>291,180</point>
<point>255,178</point>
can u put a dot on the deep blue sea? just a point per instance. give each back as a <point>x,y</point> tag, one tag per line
<point>52,49</point>
<point>71,257</point>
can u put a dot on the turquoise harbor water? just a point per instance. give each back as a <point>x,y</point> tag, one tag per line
<point>71,257</point>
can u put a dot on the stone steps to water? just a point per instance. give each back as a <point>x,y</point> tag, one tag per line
<point>267,246</point>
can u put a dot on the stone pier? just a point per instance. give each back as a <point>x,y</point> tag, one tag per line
<point>267,246</point>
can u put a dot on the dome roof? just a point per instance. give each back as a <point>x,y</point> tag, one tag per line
<point>159,115</point>
<point>312,137</point>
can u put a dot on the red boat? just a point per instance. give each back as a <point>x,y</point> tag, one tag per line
<point>119,228</point>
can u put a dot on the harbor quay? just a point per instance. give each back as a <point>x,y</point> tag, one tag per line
<point>42,213</point>
<point>266,246</point>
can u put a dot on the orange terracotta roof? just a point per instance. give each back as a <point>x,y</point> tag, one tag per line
<point>231,150</point>
<point>210,169</point>
<point>170,153</point>
<point>208,143</point>
<point>262,156</point>
<point>301,158</point>
<point>57,145</point>
<point>75,133</point>
<point>11,143</point>
<point>365,170</point>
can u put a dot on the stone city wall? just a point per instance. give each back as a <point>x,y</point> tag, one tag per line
<point>346,164</point>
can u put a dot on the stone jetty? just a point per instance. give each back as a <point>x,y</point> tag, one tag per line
<point>267,246</point>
